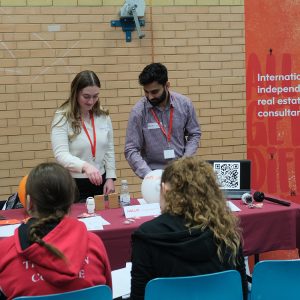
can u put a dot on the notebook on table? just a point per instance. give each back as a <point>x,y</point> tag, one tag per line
<point>234,176</point>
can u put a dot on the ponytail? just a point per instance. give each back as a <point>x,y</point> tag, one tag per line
<point>36,233</point>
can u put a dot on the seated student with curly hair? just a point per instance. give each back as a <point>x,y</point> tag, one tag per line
<point>195,234</point>
<point>52,252</point>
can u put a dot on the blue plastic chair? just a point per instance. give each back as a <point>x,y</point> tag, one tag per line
<point>276,280</point>
<point>225,285</point>
<point>98,292</point>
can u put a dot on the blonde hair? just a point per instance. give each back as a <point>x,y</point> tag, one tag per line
<point>70,109</point>
<point>194,194</point>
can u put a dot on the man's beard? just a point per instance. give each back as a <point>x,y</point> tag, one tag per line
<point>159,100</point>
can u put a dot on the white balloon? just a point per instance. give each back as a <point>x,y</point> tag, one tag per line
<point>151,186</point>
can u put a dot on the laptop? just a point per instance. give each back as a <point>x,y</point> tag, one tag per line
<point>234,176</point>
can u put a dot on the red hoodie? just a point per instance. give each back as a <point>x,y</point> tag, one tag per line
<point>36,271</point>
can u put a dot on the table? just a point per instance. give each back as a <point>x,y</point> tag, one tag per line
<point>273,227</point>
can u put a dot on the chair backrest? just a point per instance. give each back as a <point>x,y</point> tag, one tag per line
<point>276,279</point>
<point>98,292</point>
<point>225,285</point>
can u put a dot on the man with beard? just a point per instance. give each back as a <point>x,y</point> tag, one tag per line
<point>162,125</point>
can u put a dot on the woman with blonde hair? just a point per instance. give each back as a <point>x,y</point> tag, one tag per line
<point>52,252</point>
<point>195,234</point>
<point>82,138</point>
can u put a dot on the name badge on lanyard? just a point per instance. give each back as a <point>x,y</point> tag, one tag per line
<point>93,144</point>
<point>168,153</point>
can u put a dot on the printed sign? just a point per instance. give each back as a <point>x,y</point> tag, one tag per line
<point>144,210</point>
<point>273,96</point>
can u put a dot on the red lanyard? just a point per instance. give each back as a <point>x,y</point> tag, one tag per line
<point>161,127</point>
<point>93,146</point>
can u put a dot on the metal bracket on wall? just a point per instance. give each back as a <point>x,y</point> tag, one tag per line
<point>128,25</point>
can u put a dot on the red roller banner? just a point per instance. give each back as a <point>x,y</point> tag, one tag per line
<point>272,30</point>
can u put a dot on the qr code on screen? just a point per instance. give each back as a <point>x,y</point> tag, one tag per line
<point>228,175</point>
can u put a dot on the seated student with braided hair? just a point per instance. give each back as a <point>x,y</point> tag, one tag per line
<point>52,252</point>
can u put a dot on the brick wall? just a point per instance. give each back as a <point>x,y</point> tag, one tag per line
<point>201,42</point>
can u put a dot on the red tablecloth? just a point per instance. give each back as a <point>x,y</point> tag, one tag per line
<point>273,227</point>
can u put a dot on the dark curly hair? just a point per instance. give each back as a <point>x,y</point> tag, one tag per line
<point>154,72</point>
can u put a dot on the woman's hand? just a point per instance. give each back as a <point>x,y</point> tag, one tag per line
<point>109,186</point>
<point>92,173</point>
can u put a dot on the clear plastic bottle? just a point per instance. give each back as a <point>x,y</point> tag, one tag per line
<point>124,193</point>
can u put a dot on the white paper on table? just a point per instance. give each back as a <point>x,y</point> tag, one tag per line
<point>104,222</point>
<point>121,281</point>
<point>8,230</point>
<point>232,206</point>
<point>141,201</point>
<point>93,223</point>
<point>133,211</point>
